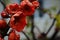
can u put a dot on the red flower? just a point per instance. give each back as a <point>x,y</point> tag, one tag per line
<point>13,36</point>
<point>4,14</point>
<point>1,38</point>
<point>3,24</point>
<point>35,3</point>
<point>32,0</point>
<point>27,8</point>
<point>18,21</point>
<point>12,8</point>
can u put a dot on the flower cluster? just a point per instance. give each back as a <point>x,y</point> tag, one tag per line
<point>17,14</point>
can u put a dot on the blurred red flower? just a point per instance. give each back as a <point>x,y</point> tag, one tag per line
<point>1,38</point>
<point>32,0</point>
<point>27,8</point>
<point>3,24</point>
<point>4,14</point>
<point>18,21</point>
<point>12,8</point>
<point>13,36</point>
<point>35,3</point>
<point>17,14</point>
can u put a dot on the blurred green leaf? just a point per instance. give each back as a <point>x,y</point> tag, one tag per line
<point>6,1</point>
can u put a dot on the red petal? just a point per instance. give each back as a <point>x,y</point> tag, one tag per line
<point>32,0</point>
<point>18,23</point>
<point>12,8</point>
<point>27,8</point>
<point>13,36</point>
<point>1,38</point>
<point>3,24</point>
<point>35,3</point>
<point>4,14</point>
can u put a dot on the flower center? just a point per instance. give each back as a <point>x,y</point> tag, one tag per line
<point>26,7</point>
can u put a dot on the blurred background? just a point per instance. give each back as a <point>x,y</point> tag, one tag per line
<point>42,25</point>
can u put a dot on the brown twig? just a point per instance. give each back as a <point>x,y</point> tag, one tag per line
<point>32,28</point>
<point>53,23</point>
<point>55,33</point>
<point>3,4</point>
<point>26,35</point>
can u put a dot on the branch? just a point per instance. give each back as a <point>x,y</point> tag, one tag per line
<point>55,33</point>
<point>3,4</point>
<point>32,28</point>
<point>52,23</point>
<point>26,35</point>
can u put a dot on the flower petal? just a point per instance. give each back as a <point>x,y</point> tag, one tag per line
<point>3,24</point>
<point>18,23</point>
<point>12,8</point>
<point>36,4</point>
<point>27,8</point>
<point>13,36</point>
